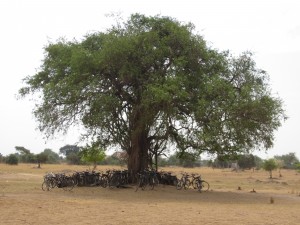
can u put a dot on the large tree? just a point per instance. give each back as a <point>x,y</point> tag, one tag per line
<point>151,83</point>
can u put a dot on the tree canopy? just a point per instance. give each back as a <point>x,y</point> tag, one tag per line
<point>270,165</point>
<point>92,154</point>
<point>151,83</point>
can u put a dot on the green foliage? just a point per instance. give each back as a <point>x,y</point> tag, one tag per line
<point>42,157</point>
<point>72,154</point>
<point>177,159</point>
<point>92,154</point>
<point>69,149</point>
<point>2,158</point>
<point>110,160</point>
<point>12,159</point>
<point>270,165</point>
<point>297,167</point>
<point>246,161</point>
<point>152,81</point>
<point>258,162</point>
<point>47,156</point>
<point>24,155</point>
<point>289,160</point>
<point>22,150</point>
<point>187,159</point>
<point>52,157</point>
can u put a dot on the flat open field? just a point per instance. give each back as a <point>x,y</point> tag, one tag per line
<point>22,200</point>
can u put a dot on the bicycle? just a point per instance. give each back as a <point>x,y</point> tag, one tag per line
<point>194,180</point>
<point>201,185</point>
<point>49,182</point>
<point>59,180</point>
<point>184,182</point>
<point>152,179</point>
<point>66,182</point>
<point>142,180</point>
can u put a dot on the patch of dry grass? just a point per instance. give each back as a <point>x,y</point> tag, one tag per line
<point>23,202</point>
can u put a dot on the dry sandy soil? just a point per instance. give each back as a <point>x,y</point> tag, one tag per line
<point>22,200</point>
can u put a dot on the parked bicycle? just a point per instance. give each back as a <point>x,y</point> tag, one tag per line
<point>166,178</point>
<point>201,185</point>
<point>183,182</point>
<point>59,180</point>
<point>118,178</point>
<point>147,178</point>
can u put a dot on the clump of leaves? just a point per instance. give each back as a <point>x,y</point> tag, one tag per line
<point>12,159</point>
<point>92,154</point>
<point>270,165</point>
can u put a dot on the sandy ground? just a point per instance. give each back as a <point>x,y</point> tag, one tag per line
<point>22,200</point>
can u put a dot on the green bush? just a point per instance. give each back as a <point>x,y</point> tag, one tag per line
<point>12,159</point>
<point>297,167</point>
<point>270,165</point>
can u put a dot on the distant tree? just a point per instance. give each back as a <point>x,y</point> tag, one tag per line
<point>22,150</point>
<point>173,160</point>
<point>41,158</point>
<point>258,162</point>
<point>289,160</point>
<point>224,160</point>
<point>280,165</point>
<point>24,154</point>
<point>297,167</point>
<point>270,165</point>
<point>246,161</point>
<point>188,159</point>
<point>1,158</point>
<point>71,152</point>
<point>69,149</point>
<point>52,157</point>
<point>92,154</point>
<point>31,158</point>
<point>162,161</point>
<point>12,159</point>
<point>110,160</point>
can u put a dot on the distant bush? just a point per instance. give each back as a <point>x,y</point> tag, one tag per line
<point>12,159</point>
<point>297,167</point>
<point>270,165</point>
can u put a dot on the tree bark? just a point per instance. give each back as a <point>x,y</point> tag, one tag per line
<point>138,154</point>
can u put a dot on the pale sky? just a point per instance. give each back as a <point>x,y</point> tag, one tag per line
<point>268,28</point>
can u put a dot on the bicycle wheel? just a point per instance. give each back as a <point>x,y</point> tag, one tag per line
<point>45,186</point>
<point>186,184</point>
<point>138,185</point>
<point>52,183</point>
<point>103,182</point>
<point>114,182</point>
<point>179,185</point>
<point>151,183</point>
<point>204,185</point>
<point>67,184</point>
<point>144,183</point>
<point>195,183</point>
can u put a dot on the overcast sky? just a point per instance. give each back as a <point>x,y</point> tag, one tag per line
<point>268,28</point>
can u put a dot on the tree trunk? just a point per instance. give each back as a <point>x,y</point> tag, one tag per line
<point>94,165</point>
<point>156,161</point>
<point>138,154</point>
